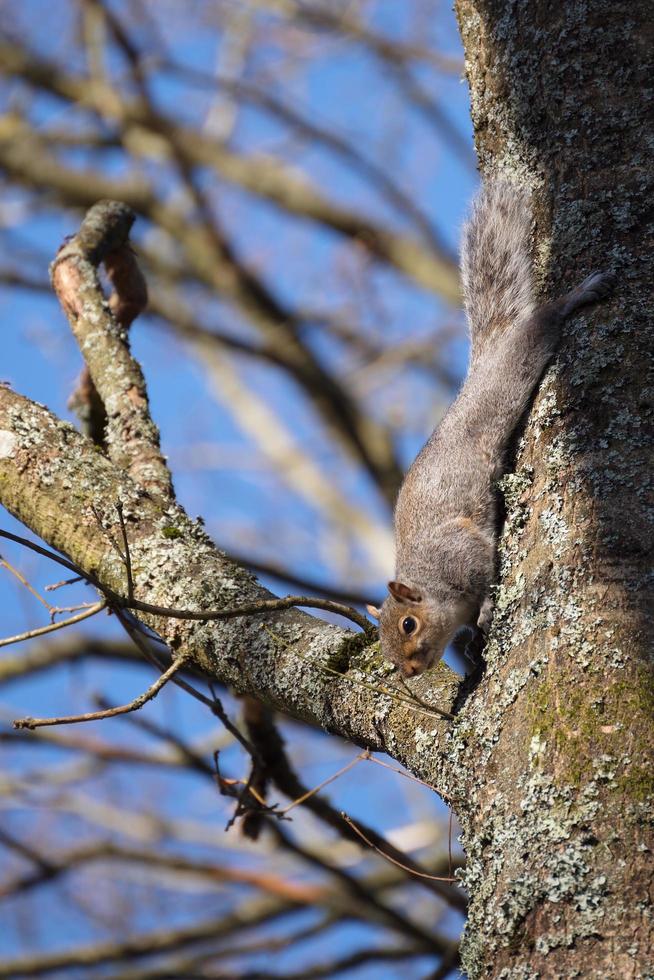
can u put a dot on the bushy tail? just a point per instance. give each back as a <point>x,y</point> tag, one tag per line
<point>496,263</point>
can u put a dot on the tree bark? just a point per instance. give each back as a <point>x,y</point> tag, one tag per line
<point>554,749</point>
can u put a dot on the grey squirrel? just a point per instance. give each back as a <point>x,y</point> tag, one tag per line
<point>446,512</point>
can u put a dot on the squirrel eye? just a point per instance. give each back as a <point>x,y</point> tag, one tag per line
<point>408,624</point>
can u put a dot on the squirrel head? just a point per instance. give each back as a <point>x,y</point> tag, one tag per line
<point>413,629</point>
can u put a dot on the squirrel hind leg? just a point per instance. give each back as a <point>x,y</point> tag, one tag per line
<point>474,639</point>
<point>471,646</point>
<point>485,616</point>
<point>595,287</point>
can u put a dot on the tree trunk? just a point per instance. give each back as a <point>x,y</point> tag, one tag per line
<point>554,749</point>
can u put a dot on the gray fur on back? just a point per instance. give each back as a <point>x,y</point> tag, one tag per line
<point>445,516</point>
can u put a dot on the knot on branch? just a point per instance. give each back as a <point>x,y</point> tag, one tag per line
<point>105,228</point>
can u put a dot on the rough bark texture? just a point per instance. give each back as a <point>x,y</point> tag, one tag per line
<point>556,807</point>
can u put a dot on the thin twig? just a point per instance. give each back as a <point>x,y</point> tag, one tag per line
<point>411,871</point>
<point>23,581</point>
<point>214,704</point>
<point>407,775</point>
<point>232,781</point>
<point>264,734</point>
<point>258,608</point>
<point>126,556</point>
<point>121,709</point>
<point>29,634</point>
<point>242,796</point>
<point>117,603</point>
<point>64,581</point>
<point>330,779</point>
<point>243,805</point>
<point>139,640</point>
<point>351,597</point>
<point>56,610</point>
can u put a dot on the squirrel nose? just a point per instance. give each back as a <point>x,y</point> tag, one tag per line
<point>409,669</point>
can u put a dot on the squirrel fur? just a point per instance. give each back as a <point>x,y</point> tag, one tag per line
<point>446,513</point>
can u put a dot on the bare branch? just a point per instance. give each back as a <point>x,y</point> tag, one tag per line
<point>264,734</point>
<point>123,709</point>
<point>214,261</point>
<point>189,570</point>
<point>331,139</point>
<point>6,641</point>
<point>359,891</point>
<point>291,463</point>
<point>23,581</point>
<point>265,176</point>
<point>344,22</point>
<point>387,857</point>
<point>132,438</point>
<point>44,656</point>
<point>250,914</point>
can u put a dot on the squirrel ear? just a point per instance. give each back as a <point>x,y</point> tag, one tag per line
<point>374,612</point>
<point>403,593</point>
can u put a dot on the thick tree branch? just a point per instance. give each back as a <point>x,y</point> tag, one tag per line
<point>305,667</point>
